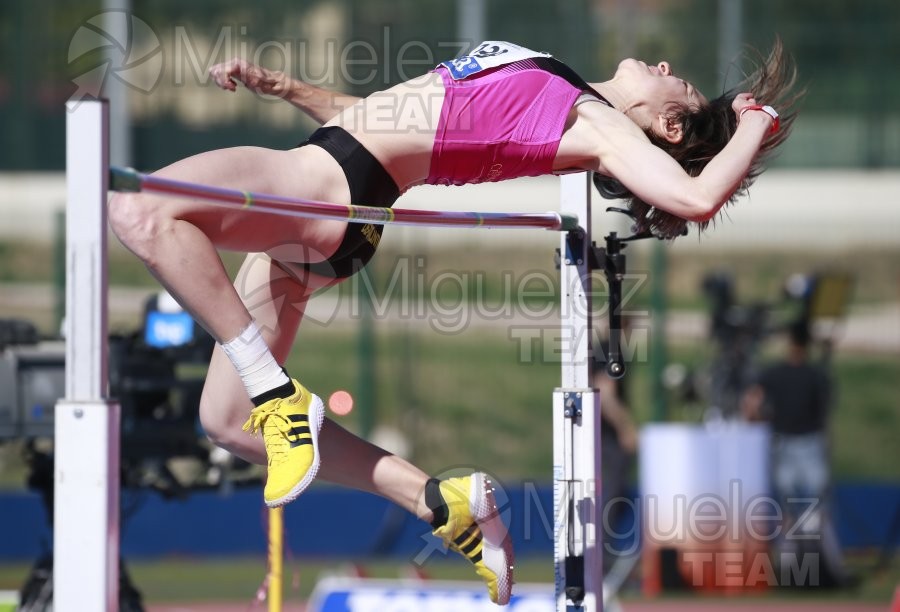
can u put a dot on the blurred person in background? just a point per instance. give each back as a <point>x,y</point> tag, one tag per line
<point>499,113</point>
<point>794,396</point>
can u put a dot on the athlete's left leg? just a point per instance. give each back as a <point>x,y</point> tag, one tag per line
<point>468,520</point>
<point>277,302</point>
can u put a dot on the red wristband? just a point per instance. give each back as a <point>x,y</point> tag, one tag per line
<point>776,122</point>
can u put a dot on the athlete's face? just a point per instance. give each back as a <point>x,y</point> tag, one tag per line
<point>657,85</point>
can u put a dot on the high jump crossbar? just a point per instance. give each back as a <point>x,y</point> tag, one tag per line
<point>127,179</point>
<point>87,430</point>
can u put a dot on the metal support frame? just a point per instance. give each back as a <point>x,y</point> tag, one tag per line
<point>86,447</point>
<point>576,420</point>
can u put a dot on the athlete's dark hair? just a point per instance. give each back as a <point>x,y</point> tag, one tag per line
<point>708,129</point>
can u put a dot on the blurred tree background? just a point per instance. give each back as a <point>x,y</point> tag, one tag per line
<point>845,52</point>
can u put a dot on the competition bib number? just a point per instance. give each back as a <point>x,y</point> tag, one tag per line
<point>489,54</point>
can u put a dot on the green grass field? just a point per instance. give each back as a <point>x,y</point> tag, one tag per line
<point>477,397</point>
<point>435,388</point>
<point>759,275</point>
<point>471,398</point>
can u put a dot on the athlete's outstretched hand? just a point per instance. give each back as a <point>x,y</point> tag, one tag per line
<point>258,80</point>
<point>320,104</point>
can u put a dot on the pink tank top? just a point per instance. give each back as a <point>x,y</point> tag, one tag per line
<point>500,124</point>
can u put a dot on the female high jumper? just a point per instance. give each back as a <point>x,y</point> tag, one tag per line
<point>499,113</point>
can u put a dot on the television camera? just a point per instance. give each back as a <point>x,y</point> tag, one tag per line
<point>156,373</point>
<point>739,330</point>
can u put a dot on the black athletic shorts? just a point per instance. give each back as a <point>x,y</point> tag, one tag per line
<point>370,185</point>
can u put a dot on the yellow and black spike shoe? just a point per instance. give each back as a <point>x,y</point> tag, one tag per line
<point>475,529</point>
<point>290,429</point>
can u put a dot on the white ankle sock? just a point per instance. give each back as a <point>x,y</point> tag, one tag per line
<point>254,362</point>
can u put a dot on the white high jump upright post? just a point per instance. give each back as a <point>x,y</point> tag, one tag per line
<point>578,551</point>
<point>86,444</point>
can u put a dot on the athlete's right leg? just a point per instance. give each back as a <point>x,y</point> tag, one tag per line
<point>177,238</point>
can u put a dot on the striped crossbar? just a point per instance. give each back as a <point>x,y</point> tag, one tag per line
<point>127,179</point>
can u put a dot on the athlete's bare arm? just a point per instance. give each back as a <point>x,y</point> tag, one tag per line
<point>624,152</point>
<point>320,104</point>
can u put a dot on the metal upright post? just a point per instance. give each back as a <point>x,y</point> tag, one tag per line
<point>86,445</point>
<point>576,420</point>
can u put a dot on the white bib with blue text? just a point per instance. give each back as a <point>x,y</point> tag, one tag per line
<point>489,54</point>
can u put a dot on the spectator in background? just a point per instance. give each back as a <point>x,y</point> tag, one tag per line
<point>794,395</point>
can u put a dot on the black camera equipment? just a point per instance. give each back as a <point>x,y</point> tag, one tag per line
<point>156,373</point>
